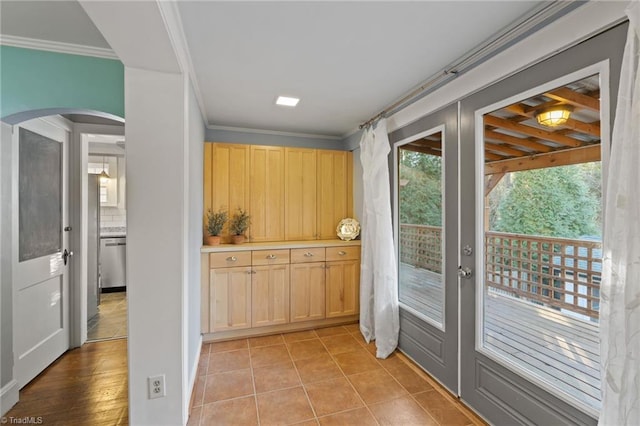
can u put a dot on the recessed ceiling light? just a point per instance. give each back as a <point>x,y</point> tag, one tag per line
<point>286,101</point>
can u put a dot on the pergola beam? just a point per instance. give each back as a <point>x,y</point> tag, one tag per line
<point>585,154</point>
<point>592,129</point>
<point>564,94</point>
<point>531,131</point>
<point>491,181</point>
<point>513,140</point>
<point>422,149</point>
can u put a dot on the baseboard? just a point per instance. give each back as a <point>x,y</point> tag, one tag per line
<point>8,396</point>
<point>193,376</point>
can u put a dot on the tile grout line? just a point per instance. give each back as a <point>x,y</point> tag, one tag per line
<point>364,404</point>
<point>304,389</point>
<point>253,383</point>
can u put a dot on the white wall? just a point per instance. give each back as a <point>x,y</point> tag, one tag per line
<point>194,232</point>
<point>156,242</point>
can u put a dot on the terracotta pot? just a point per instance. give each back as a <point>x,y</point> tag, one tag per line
<point>212,240</point>
<point>237,239</point>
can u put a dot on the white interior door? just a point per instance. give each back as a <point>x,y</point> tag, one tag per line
<point>40,265</point>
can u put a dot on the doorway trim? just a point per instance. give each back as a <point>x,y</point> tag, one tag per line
<point>78,211</point>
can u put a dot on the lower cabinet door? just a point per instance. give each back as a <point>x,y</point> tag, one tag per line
<point>343,289</point>
<point>230,296</point>
<point>270,295</point>
<point>307,291</point>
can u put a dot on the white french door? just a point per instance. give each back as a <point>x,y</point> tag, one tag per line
<point>40,249</point>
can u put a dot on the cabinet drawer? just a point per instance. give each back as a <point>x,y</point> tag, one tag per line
<point>304,255</point>
<point>269,257</point>
<point>343,253</point>
<point>229,259</point>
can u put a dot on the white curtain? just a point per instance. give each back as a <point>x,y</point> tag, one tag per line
<point>620,292</point>
<point>379,319</point>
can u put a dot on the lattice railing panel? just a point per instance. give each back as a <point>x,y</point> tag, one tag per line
<point>557,272</point>
<point>421,246</point>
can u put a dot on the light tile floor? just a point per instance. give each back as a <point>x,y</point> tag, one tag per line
<point>111,320</point>
<point>327,376</point>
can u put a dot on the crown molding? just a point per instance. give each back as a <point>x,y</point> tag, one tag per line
<point>272,132</point>
<point>173,23</point>
<point>57,47</point>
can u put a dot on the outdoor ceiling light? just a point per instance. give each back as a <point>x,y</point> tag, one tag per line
<point>554,116</point>
<point>286,101</point>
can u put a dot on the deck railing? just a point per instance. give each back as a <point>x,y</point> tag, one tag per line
<point>421,246</point>
<point>561,273</point>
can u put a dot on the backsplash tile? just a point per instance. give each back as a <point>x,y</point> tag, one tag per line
<point>113,219</point>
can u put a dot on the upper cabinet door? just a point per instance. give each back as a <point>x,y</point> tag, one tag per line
<point>335,181</point>
<point>300,194</point>
<point>226,178</point>
<point>267,193</point>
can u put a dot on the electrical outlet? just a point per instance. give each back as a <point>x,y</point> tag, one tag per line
<point>156,386</point>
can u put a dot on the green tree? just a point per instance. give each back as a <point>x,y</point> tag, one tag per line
<point>420,193</point>
<point>556,201</point>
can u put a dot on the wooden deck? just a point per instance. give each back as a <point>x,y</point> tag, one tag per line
<point>559,349</point>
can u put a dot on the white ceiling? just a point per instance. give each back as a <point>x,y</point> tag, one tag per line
<point>59,21</point>
<point>345,60</point>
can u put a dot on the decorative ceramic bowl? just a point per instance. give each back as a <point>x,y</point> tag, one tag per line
<point>348,229</point>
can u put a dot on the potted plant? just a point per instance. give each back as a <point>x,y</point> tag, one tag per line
<point>215,223</point>
<point>238,225</point>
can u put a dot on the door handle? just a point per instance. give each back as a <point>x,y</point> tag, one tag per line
<point>66,255</point>
<point>465,272</point>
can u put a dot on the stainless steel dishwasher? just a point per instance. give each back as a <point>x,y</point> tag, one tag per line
<point>112,262</point>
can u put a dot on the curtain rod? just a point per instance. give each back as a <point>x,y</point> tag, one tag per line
<point>408,97</point>
<point>500,41</point>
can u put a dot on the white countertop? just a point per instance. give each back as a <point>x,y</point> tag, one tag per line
<point>277,245</point>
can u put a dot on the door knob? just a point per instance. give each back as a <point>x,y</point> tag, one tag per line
<point>66,255</point>
<point>465,272</point>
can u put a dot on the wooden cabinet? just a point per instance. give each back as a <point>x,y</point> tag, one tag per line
<point>335,183</point>
<point>261,288</point>
<point>300,194</point>
<point>343,281</point>
<point>270,287</point>
<point>266,193</point>
<point>226,179</point>
<point>291,194</point>
<point>307,284</point>
<point>230,290</point>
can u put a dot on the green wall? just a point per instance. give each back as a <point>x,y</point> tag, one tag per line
<point>35,79</point>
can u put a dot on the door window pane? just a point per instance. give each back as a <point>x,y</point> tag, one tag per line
<point>542,234</point>
<point>39,196</point>
<point>420,183</point>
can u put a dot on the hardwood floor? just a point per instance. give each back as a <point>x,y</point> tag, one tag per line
<point>111,320</point>
<point>325,376</point>
<point>85,386</point>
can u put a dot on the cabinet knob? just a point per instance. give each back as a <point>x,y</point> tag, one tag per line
<point>232,259</point>
<point>271,256</point>
<point>308,254</point>
<point>342,253</point>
